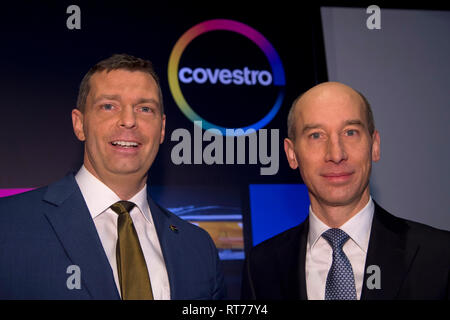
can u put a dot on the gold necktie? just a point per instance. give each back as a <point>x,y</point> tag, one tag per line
<point>131,267</point>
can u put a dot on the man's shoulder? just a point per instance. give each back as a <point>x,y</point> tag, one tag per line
<point>285,240</point>
<point>32,200</point>
<point>418,232</point>
<point>426,234</point>
<point>25,199</point>
<point>21,211</point>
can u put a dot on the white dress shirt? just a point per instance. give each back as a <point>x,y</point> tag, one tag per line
<point>319,254</point>
<point>99,198</point>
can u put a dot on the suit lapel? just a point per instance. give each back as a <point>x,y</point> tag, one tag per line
<point>167,237</point>
<point>302,259</point>
<point>291,259</point>
<point>72,223</point>
<point>387,250</point>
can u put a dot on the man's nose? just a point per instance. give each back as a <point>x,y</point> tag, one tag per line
<point>335,150</point>
<point>127,118</point>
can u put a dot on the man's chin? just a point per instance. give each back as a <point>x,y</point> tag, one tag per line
<point>125,170</point>
<point>337,199</point>
<point>341,199</point>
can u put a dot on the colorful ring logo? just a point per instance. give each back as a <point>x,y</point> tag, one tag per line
<point>234,26</point>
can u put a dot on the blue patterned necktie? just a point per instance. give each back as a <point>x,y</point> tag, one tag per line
<point>340,280</point>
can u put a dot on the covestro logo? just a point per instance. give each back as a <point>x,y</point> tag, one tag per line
<point>239,76</point>
<point>225,76</point>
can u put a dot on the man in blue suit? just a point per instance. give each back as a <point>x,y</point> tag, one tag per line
<point>98,234</point>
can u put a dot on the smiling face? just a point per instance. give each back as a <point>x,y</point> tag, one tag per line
<point>122,124</point>
<point>333,147</point>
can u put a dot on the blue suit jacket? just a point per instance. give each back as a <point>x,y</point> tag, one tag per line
<point>44,231</point>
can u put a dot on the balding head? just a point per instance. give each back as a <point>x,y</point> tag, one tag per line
<point>323,93</point>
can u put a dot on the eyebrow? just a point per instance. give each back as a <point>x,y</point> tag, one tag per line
<point>312,126</point>
<point>148,100</point>
<point>355,122</point>
<point>107,97</point>
<point>117,98</point>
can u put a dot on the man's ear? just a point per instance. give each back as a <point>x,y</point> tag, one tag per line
<point>78,124</point>
<point>290,153</point>
<point>376,146</point>
<point>163,128</point>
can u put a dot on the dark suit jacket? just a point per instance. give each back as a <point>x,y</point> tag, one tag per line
<point>414,262</point>
<point>44,231</point>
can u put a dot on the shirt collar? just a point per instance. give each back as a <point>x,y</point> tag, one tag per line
<point>140,199</point>
<point>99,197</point>
<point>358,227</point>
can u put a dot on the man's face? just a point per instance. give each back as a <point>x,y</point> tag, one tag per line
<point>333,147</point>
<point>122,124</point>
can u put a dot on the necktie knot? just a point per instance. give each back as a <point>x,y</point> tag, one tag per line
<point>336,237</point>
<point>121,207</point>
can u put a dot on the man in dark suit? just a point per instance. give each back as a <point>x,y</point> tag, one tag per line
<point>348,247</point>
<point>98,234</point>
